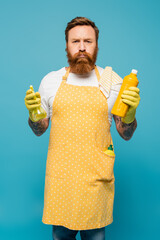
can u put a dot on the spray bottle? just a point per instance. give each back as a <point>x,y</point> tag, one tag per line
<point>37,113</point>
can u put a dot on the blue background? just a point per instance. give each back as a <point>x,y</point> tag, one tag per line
<point>33,44</point>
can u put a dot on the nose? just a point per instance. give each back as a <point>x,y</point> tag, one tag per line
<point>82,47</point>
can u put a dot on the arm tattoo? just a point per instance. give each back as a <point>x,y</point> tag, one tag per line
<point>38,127</point>
<point>125,130</point>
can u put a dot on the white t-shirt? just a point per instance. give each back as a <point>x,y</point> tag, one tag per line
<point>51,82</point>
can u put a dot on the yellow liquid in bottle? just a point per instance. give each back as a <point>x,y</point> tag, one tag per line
<point>120,108</point>
<point>38,113</point>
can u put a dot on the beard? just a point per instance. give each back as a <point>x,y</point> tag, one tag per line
<point>82,65</point>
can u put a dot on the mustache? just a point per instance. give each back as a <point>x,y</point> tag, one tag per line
<point>86,55</point>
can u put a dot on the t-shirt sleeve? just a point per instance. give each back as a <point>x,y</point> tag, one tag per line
<point>44,102</point>
<point>114,91</point>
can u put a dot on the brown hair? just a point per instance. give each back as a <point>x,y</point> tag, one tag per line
<point>80,21</point>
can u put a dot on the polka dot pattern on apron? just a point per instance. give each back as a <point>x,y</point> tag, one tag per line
<point>79,181</point>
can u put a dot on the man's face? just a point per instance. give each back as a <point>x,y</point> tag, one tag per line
<point>81,49</point>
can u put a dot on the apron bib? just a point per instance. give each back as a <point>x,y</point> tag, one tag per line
<point>79,180</point>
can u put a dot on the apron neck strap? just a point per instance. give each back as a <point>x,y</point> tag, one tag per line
<point>68,70</point>
<point>66,74</point>
<point>97,73</point>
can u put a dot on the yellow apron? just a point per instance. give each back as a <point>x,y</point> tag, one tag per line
<point>79,181</point>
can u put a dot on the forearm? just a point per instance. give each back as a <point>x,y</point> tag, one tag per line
<point>125,130</point>
<point>38,127</point>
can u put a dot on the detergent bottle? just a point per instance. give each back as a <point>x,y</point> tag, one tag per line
<point>110,151</point>
<point>37,113</point>
<point>120,108</point>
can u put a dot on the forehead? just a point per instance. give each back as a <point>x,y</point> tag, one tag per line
<point>82,32</point>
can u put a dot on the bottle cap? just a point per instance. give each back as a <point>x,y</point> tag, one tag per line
<point>134,71</point>
<point>110,147</point>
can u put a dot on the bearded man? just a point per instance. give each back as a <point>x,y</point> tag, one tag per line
<point>79,181</point>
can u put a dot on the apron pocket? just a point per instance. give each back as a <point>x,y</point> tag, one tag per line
<point>105,165</point>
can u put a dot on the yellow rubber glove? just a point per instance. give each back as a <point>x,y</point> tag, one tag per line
<point>132,98</point>
<point>32,101</point>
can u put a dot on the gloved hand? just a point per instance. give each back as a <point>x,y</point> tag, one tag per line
<point>132,98</point>
<point>32,101</point>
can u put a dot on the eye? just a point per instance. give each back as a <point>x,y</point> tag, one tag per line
<point>88,41</point>
<point>75,41</point>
